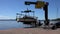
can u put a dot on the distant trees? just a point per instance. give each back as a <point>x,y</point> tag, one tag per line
<point>57,19</point>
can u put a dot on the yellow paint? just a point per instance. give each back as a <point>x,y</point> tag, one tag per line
<point>39,4</point>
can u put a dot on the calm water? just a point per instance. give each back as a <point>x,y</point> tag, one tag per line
<point>12,24</point>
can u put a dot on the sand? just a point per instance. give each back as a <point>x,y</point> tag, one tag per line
<point>30,31</point>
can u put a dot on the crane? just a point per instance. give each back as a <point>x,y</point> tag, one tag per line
<point>38,5</point>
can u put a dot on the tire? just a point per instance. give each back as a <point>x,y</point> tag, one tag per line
<point>54,27</point>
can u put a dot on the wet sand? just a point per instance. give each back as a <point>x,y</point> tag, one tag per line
<point>30,31</point>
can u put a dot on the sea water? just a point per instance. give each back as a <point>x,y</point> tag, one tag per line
<point>14,24</point>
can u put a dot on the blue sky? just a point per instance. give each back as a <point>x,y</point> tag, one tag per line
<point>9,8</point>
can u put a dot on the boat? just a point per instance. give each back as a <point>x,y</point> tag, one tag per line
<point>26,18</point>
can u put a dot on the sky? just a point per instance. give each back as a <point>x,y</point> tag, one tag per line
<point>9,8</point>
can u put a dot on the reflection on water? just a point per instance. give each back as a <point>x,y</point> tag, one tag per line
<point>13,24</point>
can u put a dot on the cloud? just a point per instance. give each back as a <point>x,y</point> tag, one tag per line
<point>6,17</point>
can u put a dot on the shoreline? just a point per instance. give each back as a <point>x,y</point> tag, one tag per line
<point>30,31</point>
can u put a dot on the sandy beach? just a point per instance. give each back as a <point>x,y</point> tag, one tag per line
<point>30,31</point>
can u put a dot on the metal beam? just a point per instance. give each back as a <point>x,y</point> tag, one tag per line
<point>45,8</point>
<point>28,2</point>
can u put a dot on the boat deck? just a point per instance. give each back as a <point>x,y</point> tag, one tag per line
<point>26,20</point>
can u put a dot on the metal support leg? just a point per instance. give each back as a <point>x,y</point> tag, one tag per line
<point>45,8</point>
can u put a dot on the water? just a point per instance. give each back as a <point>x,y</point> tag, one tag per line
<point>13,24</point>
